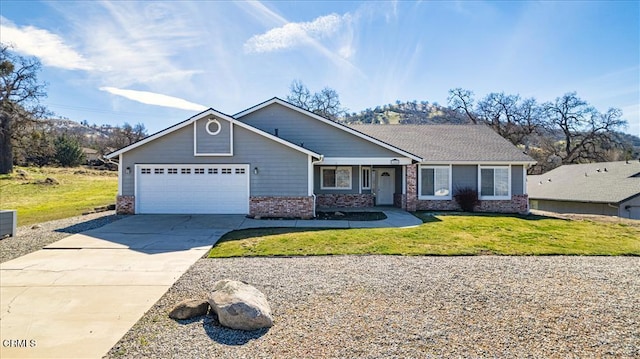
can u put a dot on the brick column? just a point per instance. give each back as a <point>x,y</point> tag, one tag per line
<point>412,187</point>
<point>125,205</point>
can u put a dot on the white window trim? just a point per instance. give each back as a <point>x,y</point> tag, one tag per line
<point>420,196</point>
<point>494,198</point>
<point>368,176</point>
<point>336,168</point>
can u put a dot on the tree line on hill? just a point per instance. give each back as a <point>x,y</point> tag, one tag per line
<point>28,134</point>
<point>563,131</point>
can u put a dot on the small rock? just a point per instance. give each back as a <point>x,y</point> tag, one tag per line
<point>22,174</point>
<point>240,306</point>
<point>189,308</point>
<point>257,217</point>
<point>49,181</point>
<point>339,214</point>
<point>36,226</point>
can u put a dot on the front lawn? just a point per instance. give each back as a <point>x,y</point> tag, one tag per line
<point>447,234</point>
<point>78,190</point>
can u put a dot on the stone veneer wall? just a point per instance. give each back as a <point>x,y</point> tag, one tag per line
<point>345,200</point>
<point>288,207</point>
<point>125,205</point>
<point>519,203</point>
<point>400,200</point>
<point>412,188</point>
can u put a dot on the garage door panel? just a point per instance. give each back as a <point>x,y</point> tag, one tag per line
<point>192,189</point>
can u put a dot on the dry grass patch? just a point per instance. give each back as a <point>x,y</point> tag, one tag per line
<point>48,193</point>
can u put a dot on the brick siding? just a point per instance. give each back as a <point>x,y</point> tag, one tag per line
<point>125,205</point>
<point>519,203</point>
<point>287,207</point>
<point>412,188</point>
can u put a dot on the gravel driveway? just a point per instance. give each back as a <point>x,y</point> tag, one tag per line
<point>391,306</point>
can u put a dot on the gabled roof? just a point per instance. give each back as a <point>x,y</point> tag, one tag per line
<point>449,143</point>
<point>603,182</point>
<point>202,115</point>
<point>401,150</point>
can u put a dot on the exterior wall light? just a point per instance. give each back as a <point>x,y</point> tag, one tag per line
<point>395,161</point>
<point>128,170</point>
<point>255,170</point>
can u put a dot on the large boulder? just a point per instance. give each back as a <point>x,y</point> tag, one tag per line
<point>189,308</point>
<point>240,306</point>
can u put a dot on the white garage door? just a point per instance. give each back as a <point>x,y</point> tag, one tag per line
<point>197,189</point>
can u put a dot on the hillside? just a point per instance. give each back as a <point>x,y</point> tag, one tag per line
<point>406,113</point>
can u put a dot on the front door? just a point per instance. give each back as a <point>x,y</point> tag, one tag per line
<point>386,186</point>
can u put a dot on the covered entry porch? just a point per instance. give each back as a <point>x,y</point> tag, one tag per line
<point>359,183</point>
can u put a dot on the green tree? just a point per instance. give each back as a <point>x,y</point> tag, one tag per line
<point>68,151</point>
<point>20,92</point>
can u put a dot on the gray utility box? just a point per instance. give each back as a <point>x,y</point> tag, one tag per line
<point>8,222</point>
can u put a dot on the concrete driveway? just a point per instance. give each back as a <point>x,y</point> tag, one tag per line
<point>77,297</point>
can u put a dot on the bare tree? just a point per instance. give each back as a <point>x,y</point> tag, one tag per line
<point>300,95</point>
<point>461,101</point>
<point>20,92</point>
<point>587,133</point>
<point>510,116</point>
<point>325,103</point>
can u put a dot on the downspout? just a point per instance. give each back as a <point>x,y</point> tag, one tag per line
<point>313,163</point>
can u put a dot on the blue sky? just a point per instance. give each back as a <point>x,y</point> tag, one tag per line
<point>159,63</point>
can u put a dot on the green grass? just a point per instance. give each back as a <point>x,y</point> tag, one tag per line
<point>79,190</point>
<point>449,234</point>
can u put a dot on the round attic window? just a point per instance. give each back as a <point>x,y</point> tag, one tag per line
<point>213,127</point>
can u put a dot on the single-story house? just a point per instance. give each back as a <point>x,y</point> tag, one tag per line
<point>606,188</point>
<point>276,159</point>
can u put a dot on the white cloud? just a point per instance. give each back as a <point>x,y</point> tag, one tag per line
<point>48,47</point>
<point>294,34</point>
<point>152,98</point>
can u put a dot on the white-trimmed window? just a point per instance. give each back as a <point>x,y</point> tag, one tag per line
<point>435,182</point>
<point>494,182</point>
<point>366,177</point>
<point>335,177</point>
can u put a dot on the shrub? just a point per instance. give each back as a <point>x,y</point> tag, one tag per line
<point>467,198</point>
<point>68,152</point>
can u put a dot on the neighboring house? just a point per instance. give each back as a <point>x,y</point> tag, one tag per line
<point>90,154</point>
<point>276,159</point>
<point>607,188</point>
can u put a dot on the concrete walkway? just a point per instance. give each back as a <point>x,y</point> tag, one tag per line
<point>77,297</point>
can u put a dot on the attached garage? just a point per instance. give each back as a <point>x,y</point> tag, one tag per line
<point>193,189</point>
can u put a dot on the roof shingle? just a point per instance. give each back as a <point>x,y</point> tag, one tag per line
<point>588,182</point>
<point>454,143</point>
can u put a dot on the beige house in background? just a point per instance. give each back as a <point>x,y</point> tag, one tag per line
<point>606,188</point>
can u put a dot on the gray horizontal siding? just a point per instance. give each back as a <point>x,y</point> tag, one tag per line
<point>206,143</point>
<point>517,180</point>
<point>313,134</point>
<point>282,170</point>
<point>573,207</point>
